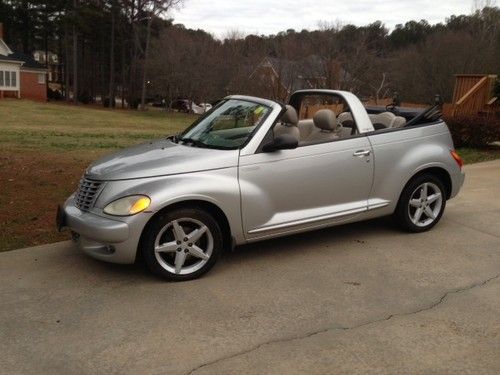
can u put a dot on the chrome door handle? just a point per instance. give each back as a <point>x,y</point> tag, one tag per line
<point>362,153</point>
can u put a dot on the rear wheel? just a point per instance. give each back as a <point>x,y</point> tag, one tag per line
<point>182,244</point>
<point>421,204</point>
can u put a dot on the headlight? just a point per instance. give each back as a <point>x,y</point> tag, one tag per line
<point>127,206</point>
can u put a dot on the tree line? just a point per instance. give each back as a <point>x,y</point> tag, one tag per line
<point>103,45</point>
<point>131,49</point>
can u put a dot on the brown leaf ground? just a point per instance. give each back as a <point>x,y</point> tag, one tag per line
<point>33,183</point>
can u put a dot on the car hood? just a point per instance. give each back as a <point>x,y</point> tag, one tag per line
<point>159,158</point>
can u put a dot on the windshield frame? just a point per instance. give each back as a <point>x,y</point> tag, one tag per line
<point>253,100</point>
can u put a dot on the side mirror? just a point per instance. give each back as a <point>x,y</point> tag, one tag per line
<point>281,142</point>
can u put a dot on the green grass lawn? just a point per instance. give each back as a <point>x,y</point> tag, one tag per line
<point>59,127</point>
<point>475,155</point>
<point>45,147</point>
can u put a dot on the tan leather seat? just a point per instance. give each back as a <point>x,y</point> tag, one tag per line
<point>387,118</point>
<point>399,122</point>
<point>344,117</point>
<point>384,120</point>
<point>325,126</point>
<point>343,132</point>
<point>288,123</point>
<point>345,125</point>
<point>306,127</point>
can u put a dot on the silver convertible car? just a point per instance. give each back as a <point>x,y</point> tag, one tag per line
<point>252,169</point>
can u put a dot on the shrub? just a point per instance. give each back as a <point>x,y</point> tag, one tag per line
<point>54,94</point>
<point>106,102</point>
<point>85,98</point>
<point>134,103</point>
<point>474,131</point>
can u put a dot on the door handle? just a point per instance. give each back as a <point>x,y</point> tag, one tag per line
<point>362,153</point>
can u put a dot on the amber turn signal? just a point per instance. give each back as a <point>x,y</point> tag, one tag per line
<point>457,158</point>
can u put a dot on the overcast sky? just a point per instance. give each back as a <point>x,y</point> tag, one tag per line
<point>272,16</point>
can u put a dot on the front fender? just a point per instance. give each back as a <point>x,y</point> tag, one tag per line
<point>219,187</point>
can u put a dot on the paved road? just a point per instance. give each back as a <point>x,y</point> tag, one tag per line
<point>356,298</point>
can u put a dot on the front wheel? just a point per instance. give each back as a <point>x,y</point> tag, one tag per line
<point>182,244</point>
<point>421,204</point>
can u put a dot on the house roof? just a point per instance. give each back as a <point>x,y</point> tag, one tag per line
<point>10,58</point>
<point>28,62</point>
<point>4,48</point>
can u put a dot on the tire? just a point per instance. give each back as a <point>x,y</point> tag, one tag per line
<point>186,253</point>
<point>412,199</point>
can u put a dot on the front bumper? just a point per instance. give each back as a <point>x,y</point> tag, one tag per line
<point>101,237</point>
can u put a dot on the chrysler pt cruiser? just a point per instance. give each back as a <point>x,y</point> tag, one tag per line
<point>252,169</point>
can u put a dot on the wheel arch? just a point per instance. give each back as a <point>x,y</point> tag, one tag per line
<point>438,172</point>
<point>207,206</point>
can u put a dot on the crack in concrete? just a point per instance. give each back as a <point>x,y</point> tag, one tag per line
<point>341,328</point>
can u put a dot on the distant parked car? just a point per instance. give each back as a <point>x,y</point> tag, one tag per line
<point>253,169</point>
<point>201,108</point>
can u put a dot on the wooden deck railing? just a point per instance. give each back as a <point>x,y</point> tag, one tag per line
<point>472,94</point>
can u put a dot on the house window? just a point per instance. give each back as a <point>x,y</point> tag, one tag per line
<point>41,78</point>
<point>8,78</point>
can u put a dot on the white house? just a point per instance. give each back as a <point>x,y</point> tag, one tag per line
<point>10,71</point>
<point>20,75</point>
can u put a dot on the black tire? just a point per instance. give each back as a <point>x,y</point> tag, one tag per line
<point>402,213</point>
<point>153,230</point>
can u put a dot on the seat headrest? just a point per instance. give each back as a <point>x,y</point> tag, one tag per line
<point>344,116</point>
<point>290,116</point>
<point>325,119</point>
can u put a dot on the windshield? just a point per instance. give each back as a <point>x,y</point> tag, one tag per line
<point>228,126</point>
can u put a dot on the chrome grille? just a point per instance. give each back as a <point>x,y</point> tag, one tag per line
<point>87,193</point>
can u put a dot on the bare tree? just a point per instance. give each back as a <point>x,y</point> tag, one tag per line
<point>75,54</point>
<point>381,89</point>
<point>111,93</point>
<point>481,4</point>
<point>153,8</point>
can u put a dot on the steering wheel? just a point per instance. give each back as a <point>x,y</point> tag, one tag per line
<point>392,108</point>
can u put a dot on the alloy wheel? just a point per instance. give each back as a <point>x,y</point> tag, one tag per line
<point>183,246</point>
<point>425,204</point>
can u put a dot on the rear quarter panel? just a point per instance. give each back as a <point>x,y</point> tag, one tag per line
<point>401,153</point>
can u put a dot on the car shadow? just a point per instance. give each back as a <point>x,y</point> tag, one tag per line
<point>331,236</point>
<point>292,244</point>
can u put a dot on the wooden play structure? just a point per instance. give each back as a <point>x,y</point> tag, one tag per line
<point>473,95</point>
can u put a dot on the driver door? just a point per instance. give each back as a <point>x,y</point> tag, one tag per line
<point>311,186</point>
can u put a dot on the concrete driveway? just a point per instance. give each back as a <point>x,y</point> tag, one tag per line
<point>356,298</point>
